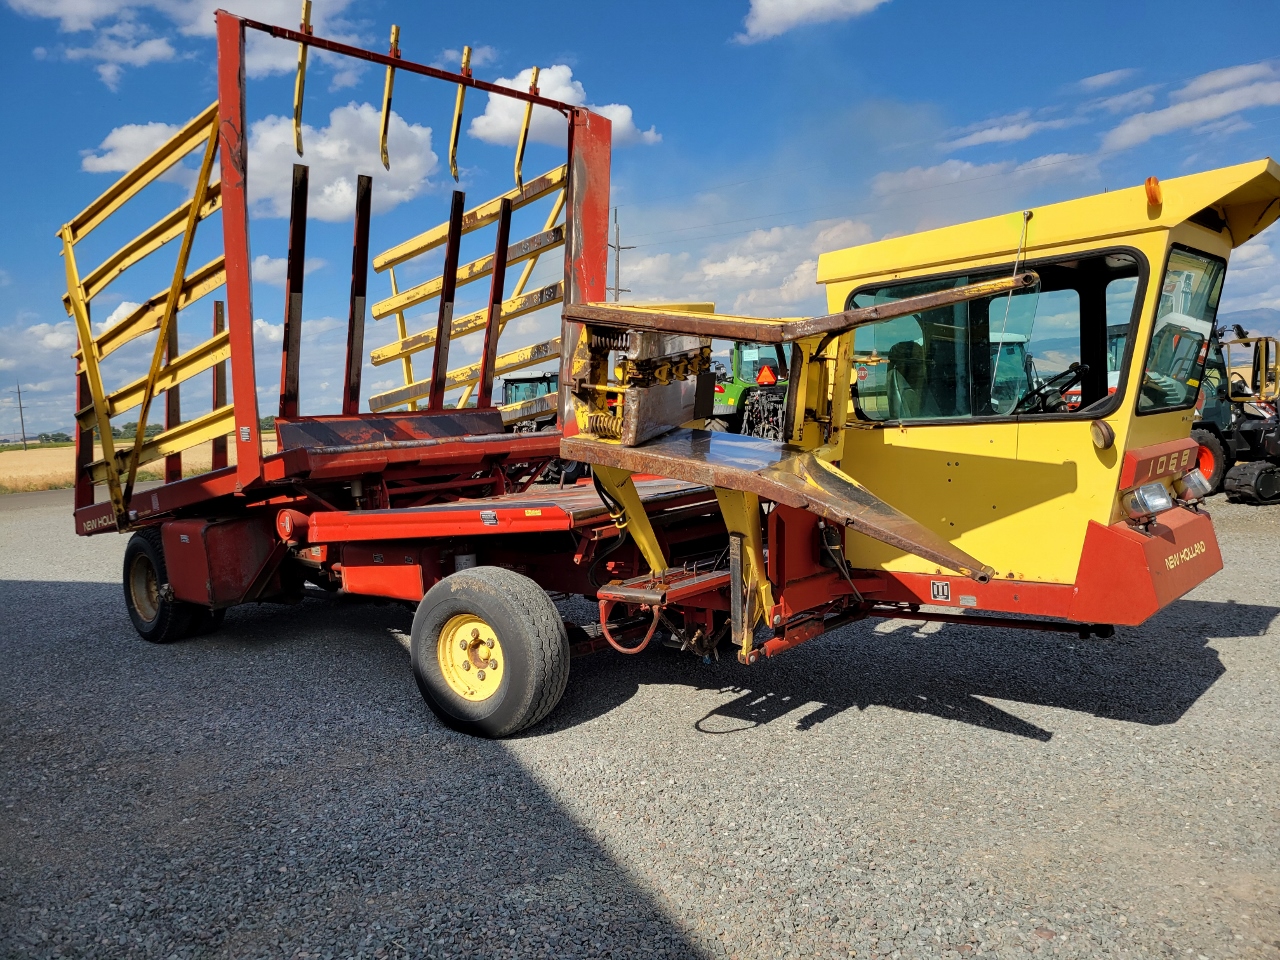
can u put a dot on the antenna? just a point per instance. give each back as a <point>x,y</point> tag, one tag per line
<point>22,420</point>
<point>617,249</point>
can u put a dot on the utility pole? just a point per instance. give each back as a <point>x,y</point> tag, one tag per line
<point>617,249</point>
<point>22,420</point>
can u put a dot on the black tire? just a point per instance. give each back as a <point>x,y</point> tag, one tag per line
<point>1212,459</point>
<point>529,632</point>
<point>1256,482</point>
<point>156,616</point>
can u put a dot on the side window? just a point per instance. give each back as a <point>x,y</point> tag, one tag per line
<point>1180,338</point>
<point>1020,354</point>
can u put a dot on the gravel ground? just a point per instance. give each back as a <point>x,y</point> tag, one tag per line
<point>278,789</point>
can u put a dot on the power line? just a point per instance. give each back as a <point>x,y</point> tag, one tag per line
<point>617,249</point>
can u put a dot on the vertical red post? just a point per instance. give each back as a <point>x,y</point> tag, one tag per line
<point>294,271</point>
<point>219,387</point>
<point>586,236</point>
<point>492,326</point>
<point>233,156</point>
<point>359,287</point>
<point>448,291</point>
<point>84,445</point>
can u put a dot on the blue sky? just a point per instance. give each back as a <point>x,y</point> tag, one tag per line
<point>750,135</point>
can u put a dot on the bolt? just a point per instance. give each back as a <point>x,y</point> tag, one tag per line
<point>488,642</point>
<point>462,644</point>
<point>493,664</point>
<point>475,633</point>
<point>777,619</point>
<point>479,674</point>
<point>466,664</point>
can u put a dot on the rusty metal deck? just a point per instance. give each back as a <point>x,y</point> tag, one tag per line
<point>782,474</point>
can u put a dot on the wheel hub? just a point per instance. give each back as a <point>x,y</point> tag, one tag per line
<point>144,588</point>
<point>470,657</point>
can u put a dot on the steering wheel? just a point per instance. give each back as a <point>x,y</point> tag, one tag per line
<point>1038,400</point>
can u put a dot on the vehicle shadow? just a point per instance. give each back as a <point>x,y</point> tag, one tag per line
<point>277,788</point>
<point>1150,675</point>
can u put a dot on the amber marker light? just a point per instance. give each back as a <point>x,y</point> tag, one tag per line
<point>1155,196</point>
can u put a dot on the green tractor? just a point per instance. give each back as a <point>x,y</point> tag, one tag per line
<point>751,393</point>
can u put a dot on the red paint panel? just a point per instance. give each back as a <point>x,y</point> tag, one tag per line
<point>1006,596</point>
<point>390,570</point>
<point>1160,460</point>
<point>84,448</point>
<point>233,156</point>
<point>214,563</point>
<point>1126,575</point>
<point>587,235</point>
<point>98,518</point>
<point>793,545</point>
<point>347,526</point>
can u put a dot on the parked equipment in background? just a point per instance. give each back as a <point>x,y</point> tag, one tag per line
<point>1238,430</point>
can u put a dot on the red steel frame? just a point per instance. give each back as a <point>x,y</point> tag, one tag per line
<point>292,474</point>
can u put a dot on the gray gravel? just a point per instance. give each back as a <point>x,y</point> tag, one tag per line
<point>279,790</point>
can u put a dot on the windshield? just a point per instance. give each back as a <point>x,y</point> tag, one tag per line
<point>1180,340</point>
<point>753,356</point>
<point>518,391</point>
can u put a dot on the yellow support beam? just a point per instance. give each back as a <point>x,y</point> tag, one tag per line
<point>194,361</point>
<point>84,330</point>
<point>634,519</point>
<point>171,302</point>
<point>468,375</point>
<point>146,243</point>
<point>470,323</point>
<point>146,316</point>
<point>473,219</point>
<point>525,249</point>
<point>193,135</point>
<point>741,513</point>
<point>192,433</point>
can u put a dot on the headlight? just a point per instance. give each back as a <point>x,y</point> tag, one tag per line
<point>1148,500</point>
<point>1193,487</point>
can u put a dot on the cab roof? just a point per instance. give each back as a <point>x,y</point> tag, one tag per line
<point>1238,202</point>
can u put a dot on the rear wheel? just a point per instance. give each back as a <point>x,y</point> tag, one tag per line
<point>1211,459</point>
<point>490,652</point>
<point>156,615</point>
<point>1256,482</point>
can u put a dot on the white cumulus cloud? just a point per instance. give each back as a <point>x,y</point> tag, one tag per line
<point>337,154</point>
<point>1100,81</point>
<point>1207,98</point>
<point>772,18</point>
<point>274,270</point>
<point>502,118</point>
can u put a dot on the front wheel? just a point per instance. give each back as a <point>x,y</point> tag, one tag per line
<point>490,652</point>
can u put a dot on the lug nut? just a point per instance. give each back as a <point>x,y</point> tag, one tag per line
<point>466,664</point>
<point>488,642</point>
<point>462,644</point>
<point>479,674</point>
<point>493,664</point>
<point>475,633</point>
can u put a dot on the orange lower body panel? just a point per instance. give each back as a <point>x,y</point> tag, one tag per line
<point>1126,575</point>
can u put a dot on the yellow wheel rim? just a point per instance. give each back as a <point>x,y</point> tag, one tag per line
<point>470,657</point>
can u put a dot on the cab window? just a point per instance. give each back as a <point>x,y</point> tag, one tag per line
<point>1049,350</point>
<point>1180,338</point>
